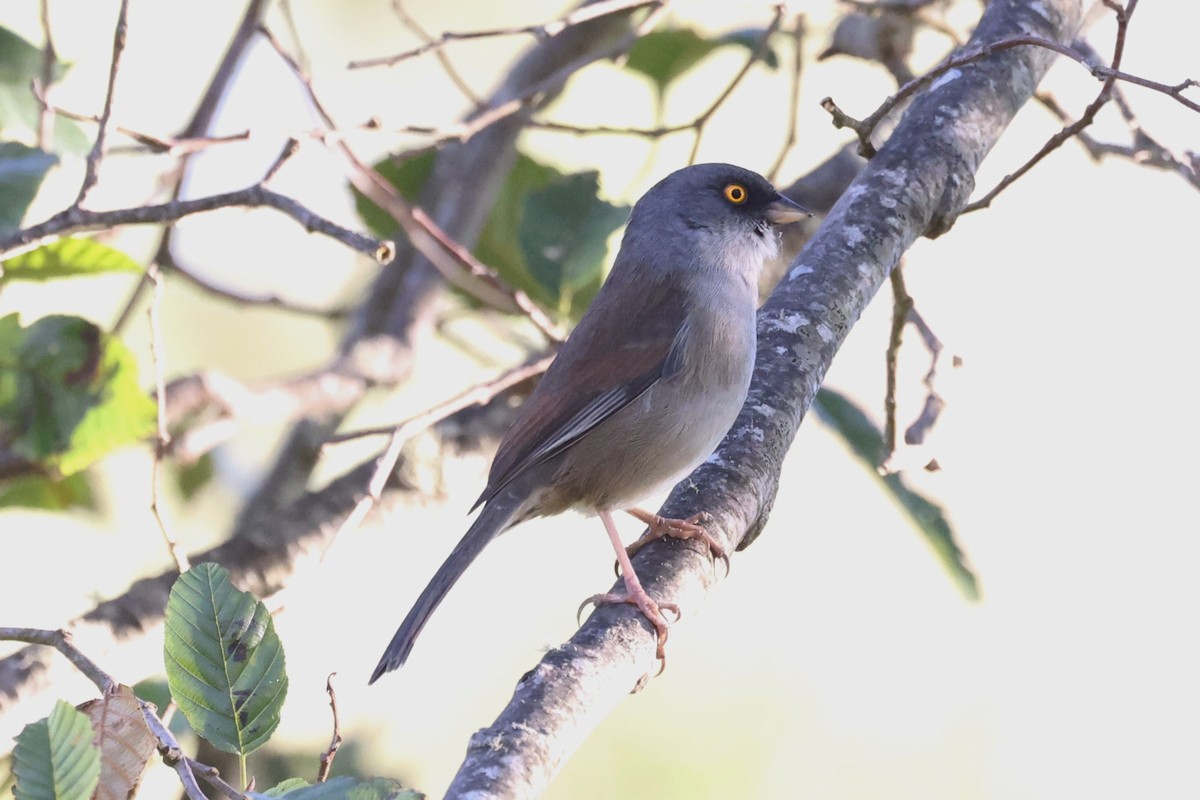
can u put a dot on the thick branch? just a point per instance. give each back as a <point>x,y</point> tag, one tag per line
<point>914,186</point>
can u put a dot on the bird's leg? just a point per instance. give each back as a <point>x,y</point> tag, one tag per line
<point>634,593</point>
<point>690,528</point>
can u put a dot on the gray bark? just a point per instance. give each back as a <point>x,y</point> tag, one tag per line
<point>915,186</point>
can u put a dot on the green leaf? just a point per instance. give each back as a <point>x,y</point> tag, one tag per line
<point>55,758</point>
<point>347,787</point>
<point>21,62</point>
<point>65,258</point>
<point>564,233</point>
<point>191,478</point>
<point>20,65</point>
<point>750,38</point>
<point>69,393</point>
<point>866,441</point>
<point>664,55</point>
<point>283,787</point>
<point>408,176</point>
<point>225,663</point>
<point>21,172</point>
<point>73,491</point>
<point>524,217</point>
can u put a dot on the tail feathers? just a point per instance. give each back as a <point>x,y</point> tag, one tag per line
<point>495,518</point>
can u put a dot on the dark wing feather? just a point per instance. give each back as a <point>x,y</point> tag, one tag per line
<point>622,345</point>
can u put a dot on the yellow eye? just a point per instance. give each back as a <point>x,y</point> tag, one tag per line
<point>736,193</point>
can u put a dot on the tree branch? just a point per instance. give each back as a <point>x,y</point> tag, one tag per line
<point>78,220</point>
<point>915,186</point>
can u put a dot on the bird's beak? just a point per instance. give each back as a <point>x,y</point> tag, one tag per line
<point>781,211</point>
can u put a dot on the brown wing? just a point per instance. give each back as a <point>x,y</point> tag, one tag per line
<point>622,345</point>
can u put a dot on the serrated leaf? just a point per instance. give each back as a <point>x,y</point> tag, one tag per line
<point>54,758</point>
<point>125,740</point>
<point>347,787</point>
<point>564,233</point>
<point>855,428</point>
<point>225,663</point>
<point>663,55</point>
<point>73,491</point>
<point>69,393</point>
<point>65,258</point>
<point>21,172</point>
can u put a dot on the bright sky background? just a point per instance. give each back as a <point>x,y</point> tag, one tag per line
<point>837,661</point>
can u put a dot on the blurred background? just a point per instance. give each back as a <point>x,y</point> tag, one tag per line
<point>838,660</point>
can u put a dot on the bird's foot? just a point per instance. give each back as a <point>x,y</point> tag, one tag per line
<point>651,609</point>
<point>690,528</point>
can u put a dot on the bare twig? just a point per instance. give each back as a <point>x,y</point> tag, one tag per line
<point>902,303</point>
<point>450,257</point>
<point>162,437</point>
<point>864,127</point>
<point>171,752</point>
<point>477,395</point>
<point>197,128</point>
<point>212,776</point>
<point>92,165</point>
<point>1086,119</point>
<point>798,31</point>
<point>756,55</point>
<point>60,640</point>
<point>539,32</point>
<point>440,53</point>
<point>49,58</point>
<point>169,145</point>
<point>335,740</point>
<point>268,300</point>
<point>919,430</point>
<point>77,220</point>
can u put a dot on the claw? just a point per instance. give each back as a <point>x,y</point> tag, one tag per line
<point>650,608</point>
<point>690,528</point>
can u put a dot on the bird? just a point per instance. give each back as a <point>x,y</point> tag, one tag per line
<point>645,386</point>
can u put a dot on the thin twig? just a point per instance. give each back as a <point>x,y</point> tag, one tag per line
<point>789,141</point>
<point>49,58</point>
<point>60,640</point>
<point>400,434</point>
<point>864,127</point>
<point>92,165</point>
<point>335,740</point>
<point>1086,119</point>
<point>267,300</point>
<point>153,143</point>
<point>169,749</point>
<point>902,303</point>
<point>439,52</point>
<point>197,128</point>
<point>162,439</point>
<point>539,32</point>
<point>756,55</point>
<point>932,409</point>
<point>446,254</point>
<point>212,776</point>
<point>77,220</point>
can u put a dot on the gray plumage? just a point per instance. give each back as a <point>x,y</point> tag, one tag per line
<point>649,381</point>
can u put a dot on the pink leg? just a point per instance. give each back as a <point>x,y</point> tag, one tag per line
<point>634,593</point>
